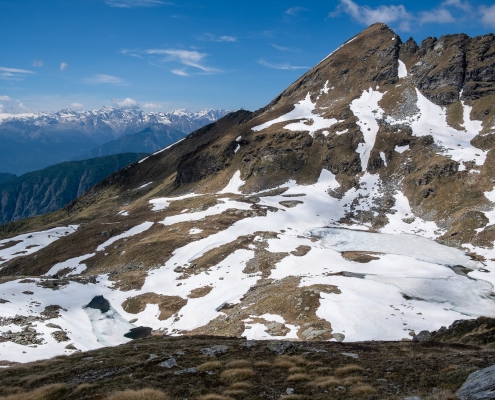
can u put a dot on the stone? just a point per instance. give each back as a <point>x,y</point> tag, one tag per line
<point>289,390</point>
<point>339,337</point>
<point>152,357</point>
<point>214,350</point>
<point>412,398</point>
<point>353,355</point>
<point>168,363</point>
<point>280,347</point>
<point>192,370</point>
<point>422,336</point>
<point>479,385</point>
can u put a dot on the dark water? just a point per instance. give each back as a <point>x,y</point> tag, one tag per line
<point>138,333</point>
<point>99,303</point>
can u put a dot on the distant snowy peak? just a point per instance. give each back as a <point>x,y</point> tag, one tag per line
<point>118,121</point>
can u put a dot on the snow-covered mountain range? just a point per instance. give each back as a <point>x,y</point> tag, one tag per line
<point>35,140</point>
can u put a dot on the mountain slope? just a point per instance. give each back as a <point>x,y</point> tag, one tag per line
<point>148,140</point>
<point>33,141</point>
<point>48,190</point>
<point>357,205</point>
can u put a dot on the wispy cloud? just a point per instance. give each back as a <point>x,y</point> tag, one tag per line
<point>208,37</point>
<point>449,11</point>
<point>188,58</point>
<point>125,103</point>
<point>63,66</point>
<point>14,74</point>
<point>38,64</point>
<point>98,79</point>
<point>285,66</point>
<point>76,105</point>
<point>283,48</point>
<point>179,72</point>
<point>4,98</point>
<point>135,3</point>
<point>152,105</point>
<point>488,16</point>
<point>295,11</point>
<point>367,15</point>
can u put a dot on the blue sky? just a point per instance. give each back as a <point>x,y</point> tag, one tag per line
<point>160,55</point>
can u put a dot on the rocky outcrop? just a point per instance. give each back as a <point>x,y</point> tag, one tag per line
<point>480,385</point>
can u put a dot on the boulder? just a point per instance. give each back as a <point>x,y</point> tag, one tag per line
<point>479,385</point>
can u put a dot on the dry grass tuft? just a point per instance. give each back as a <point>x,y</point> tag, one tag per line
<point>295,370</point>
<point>238,364</point>
<point>5,390</point>
<point>443,394</point>
<point>299,360</point>
<point>362,390</point>
<point>349,370</point>
<point>234,392</point>
<point>143,394</point>
<point>298,378</point>
<point>351,380</point>
<point>241,385</point>
<point>50,392</point>
<point>326,382</point>
<point>237,374</point>
<point>209,366</point>
<point>214,397</point>
<point>262,364</point>
<point>284,362</point>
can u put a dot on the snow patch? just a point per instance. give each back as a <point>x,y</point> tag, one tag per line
<point>234,184</point>
<point>402,70</point>
<point>131,232</point>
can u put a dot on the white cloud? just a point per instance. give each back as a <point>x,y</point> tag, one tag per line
<point>152,105</point>
<point>285,66</point>
<point>189,58</point>
<point>1,108</point>
<point>14,74</point>
<point>463,5</point>
<point>38,63</point>
<point>295,11</point>
<point>439,15</point>
<point>179,72</point>
<point>22,106</point>
<point>125,103</point>
<point>63,66</point>
<point>4,98</point>
<point>367,15</point>
<point>16,70</point>
<point>282,48</point>
<point>76,105</point>
<point>134,3</point>
<point>103,79</point>
<point>208,37</point>
<point>488,15</point>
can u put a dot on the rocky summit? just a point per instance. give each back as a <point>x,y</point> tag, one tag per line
<point>358,205</point>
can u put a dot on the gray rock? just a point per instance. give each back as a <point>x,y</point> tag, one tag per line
<point>168,363</point>
<point>186,371</point>
<point>479,385</point>
<point>214,350</point>
<point>248,343</point>
<point>412,398</point>
<point>280,347</point>
<point>422,336</point>
<point>289,391</point>
<point>339,337</point>
<point>152,357</point>
<point>353,355</point>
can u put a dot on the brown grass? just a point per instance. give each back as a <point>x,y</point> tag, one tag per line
<point>238,364</point>
<point>443,394</point>
<point>234,392</point>
<point>262,364</point>
<point>326,382</point>
<point>214,397</point>
<point>349,370</point>
<point>237,374</point>
<point>298,378</point>
<point>50,392</point>
<point>144,394</point>
<point>5,391</point>
<point>362,390</point>
<point>209,366</point>
<point>240,385</point>
<point>284,362</point>
<point>295,370</point>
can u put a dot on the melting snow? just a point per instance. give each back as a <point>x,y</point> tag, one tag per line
<point>401,149</point>
<point>302,111</point>
<point>402,70</point>
<point>73,263</point>
<point>131,232</point>
<point>234,184</point>
<point>30,243</point>
<point>366,109</point>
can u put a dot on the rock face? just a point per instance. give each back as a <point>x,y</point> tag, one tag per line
<point>480,385</point>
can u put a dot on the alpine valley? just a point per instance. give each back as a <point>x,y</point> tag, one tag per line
<point>359,205</point>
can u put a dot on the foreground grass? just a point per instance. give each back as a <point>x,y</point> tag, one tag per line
<point>248,370</point>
